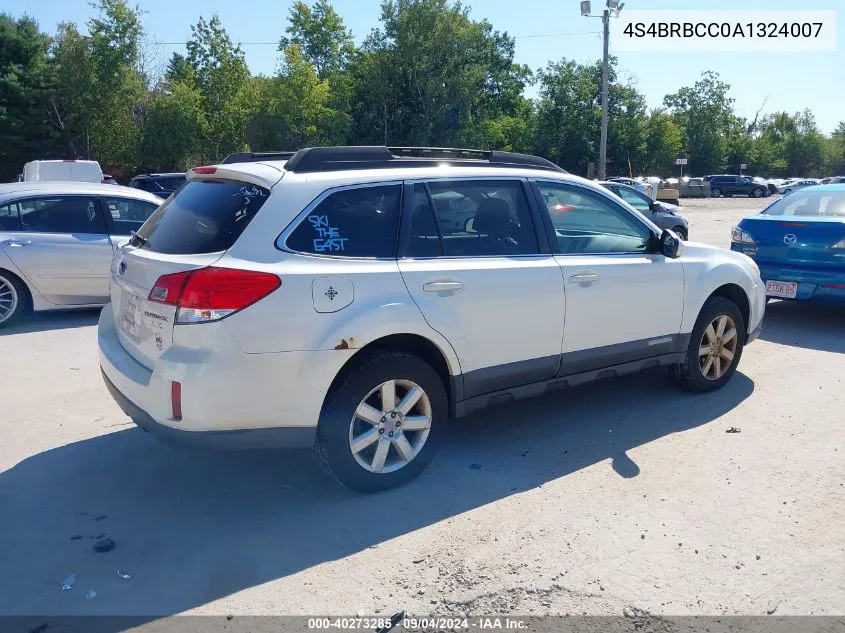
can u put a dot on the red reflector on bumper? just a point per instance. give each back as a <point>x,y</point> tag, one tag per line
<point>176,399</point>
<point>839,286</point>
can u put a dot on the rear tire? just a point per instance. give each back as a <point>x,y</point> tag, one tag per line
<point>701,373</point>
<point>716,192</point>
<point>361,388</point>
<point>14,299</point>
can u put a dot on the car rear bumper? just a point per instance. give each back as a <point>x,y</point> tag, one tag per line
<point>238,439</point>
<point>230,399</point>
<point>813,285</point>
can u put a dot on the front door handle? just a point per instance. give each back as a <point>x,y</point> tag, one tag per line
<point>442,286</point>
<point>584,278</point>
<point>16,242</point>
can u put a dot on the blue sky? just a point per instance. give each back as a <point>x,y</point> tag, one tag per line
<point>791,81</point>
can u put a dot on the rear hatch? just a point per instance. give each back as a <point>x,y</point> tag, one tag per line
<point>189,232</point>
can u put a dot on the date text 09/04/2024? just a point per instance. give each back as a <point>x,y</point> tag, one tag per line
<point>419,624</point>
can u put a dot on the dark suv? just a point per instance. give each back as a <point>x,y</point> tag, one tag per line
<point>161,185</point>
<point>737,185</point>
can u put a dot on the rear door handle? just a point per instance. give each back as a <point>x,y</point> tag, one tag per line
<point>16,242</point>
<point>442,286</point>
<point>584,278</point>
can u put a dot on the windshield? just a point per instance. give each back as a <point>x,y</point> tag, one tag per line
<point>810,203</point>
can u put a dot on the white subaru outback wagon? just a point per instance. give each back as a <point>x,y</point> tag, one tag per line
<point>354,299</point>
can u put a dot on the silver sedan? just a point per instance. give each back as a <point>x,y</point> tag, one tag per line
<point>57,240</point>
<point>661,213</point>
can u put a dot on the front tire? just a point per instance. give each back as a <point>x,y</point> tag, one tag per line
<point>14,299</point>
<point>757,193</point>
<point>682,233</point>
<point>382,422</point>
<point>715,347</point>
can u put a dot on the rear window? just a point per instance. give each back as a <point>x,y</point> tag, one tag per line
<point>204,216</point>
<point>810,204</point>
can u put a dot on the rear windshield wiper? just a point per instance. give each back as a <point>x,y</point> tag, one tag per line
<point>136,240</point>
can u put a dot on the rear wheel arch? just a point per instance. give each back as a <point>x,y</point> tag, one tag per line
<point>25,294</point>
<point>415,344</point>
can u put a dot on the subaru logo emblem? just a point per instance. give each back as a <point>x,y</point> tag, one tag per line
<point>121,268</point>
<point>789,239</point>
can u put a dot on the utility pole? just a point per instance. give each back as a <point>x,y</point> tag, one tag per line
<point>613,7</point>
<point>604,98</point>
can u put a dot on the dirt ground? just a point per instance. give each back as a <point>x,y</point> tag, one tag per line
<point>625,494</point>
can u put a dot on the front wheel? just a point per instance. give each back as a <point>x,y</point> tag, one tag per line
<point>757,193</point>
<point>682,233</point>
<point>715,347</point>
<point>382,422</point>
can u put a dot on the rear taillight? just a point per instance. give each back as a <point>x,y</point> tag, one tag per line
<point>209,294</point>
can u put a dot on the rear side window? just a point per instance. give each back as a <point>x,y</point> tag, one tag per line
<point>205,216</point>
<point>128,215</point>
<point>61,214</point>
<point>9,220</point>
<point>358,222</point>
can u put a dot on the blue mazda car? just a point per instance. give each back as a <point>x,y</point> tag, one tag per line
<point>799,244</point>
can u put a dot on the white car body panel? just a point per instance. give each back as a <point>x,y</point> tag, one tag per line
<point>271,364</point>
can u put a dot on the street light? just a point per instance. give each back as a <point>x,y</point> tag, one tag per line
<point>613,8</point>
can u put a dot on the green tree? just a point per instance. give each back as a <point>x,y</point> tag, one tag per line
<point>663,143</point>
<point>25,88</point>
<point>321,35</point>
<point>444,72</point>
<point>704,112</point>
<point>222,78</point>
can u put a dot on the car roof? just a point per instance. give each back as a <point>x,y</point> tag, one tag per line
<point>15,189</point>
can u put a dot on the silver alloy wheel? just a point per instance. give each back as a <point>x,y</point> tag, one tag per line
<point>390,426</point>
<point>8,299</point>
<point>717,348</point>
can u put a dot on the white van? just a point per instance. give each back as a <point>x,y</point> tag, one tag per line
<point>63,170</point>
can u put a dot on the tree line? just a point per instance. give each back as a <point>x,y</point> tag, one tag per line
<point>426,75</point>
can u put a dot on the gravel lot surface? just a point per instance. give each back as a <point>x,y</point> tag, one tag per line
<point>625,494</point>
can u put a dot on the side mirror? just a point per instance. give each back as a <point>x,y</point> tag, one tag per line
<point>654,205</point>
<point>670,244</point>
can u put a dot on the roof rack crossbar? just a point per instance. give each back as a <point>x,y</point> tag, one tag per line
<point>314,159</point>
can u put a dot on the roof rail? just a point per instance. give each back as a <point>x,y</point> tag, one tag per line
<point>341,158</point>
<point>254,157</point>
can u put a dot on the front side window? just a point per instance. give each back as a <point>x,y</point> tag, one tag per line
<point>481,218</point>
<point>61,214</point>
<point>128,214</point>
<point>357,222</point>
<point>586,222</point>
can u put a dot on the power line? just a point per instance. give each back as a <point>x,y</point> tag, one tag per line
<point>516,37</point>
